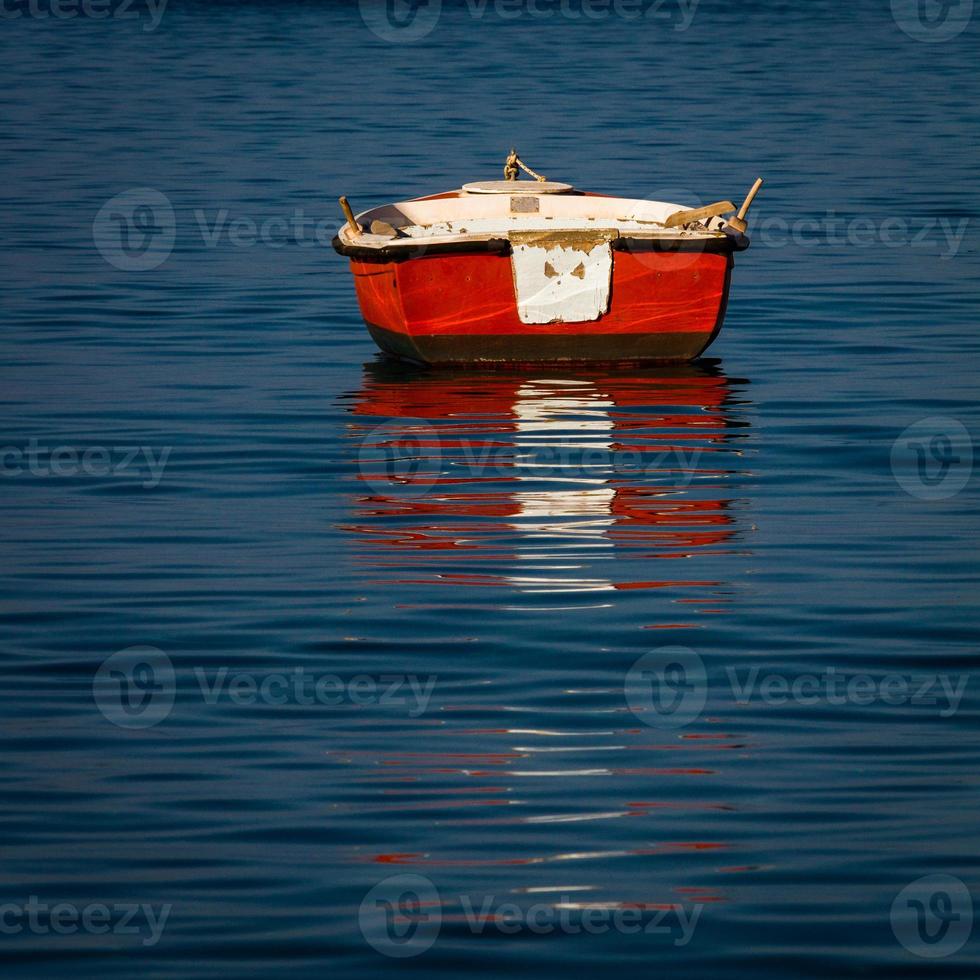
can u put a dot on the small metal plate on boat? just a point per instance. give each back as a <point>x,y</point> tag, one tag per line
<point>517,187</point>
<point>522,204</point>
<point>561,277</point>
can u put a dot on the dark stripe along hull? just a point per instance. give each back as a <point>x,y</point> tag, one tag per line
<point>516,349</point>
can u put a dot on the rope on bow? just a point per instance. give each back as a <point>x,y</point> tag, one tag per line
<point>513,162</point>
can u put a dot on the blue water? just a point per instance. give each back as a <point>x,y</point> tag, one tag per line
<point>296,510</point>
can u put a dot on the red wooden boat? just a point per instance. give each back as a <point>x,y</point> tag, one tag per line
<point>517,271</point>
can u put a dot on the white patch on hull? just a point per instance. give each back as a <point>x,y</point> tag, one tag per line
<point>561,283</point>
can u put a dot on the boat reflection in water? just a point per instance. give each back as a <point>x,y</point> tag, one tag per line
<point>545,483</point>
<point>482,503</point>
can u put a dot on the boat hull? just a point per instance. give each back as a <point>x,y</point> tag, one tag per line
<point>664,306</point>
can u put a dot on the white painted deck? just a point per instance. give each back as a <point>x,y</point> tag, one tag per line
<point>481,216</point>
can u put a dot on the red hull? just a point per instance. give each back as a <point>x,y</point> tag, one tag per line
<point>462,308</point>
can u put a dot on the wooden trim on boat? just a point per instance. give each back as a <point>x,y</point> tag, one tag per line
<point>418,249</point>
<point>717,245</point>
<point>710,246</point>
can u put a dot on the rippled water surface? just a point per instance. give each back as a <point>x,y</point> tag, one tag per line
<point>560,645</point>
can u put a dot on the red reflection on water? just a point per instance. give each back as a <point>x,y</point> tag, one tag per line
<point>548,483</point>
<point>428,860</point>
<point>549,477</point>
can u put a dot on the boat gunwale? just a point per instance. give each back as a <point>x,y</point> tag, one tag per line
<point>641,231</point>
<point>402,250</point>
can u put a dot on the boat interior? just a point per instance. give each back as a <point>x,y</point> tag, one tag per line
<point>495,209</point>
